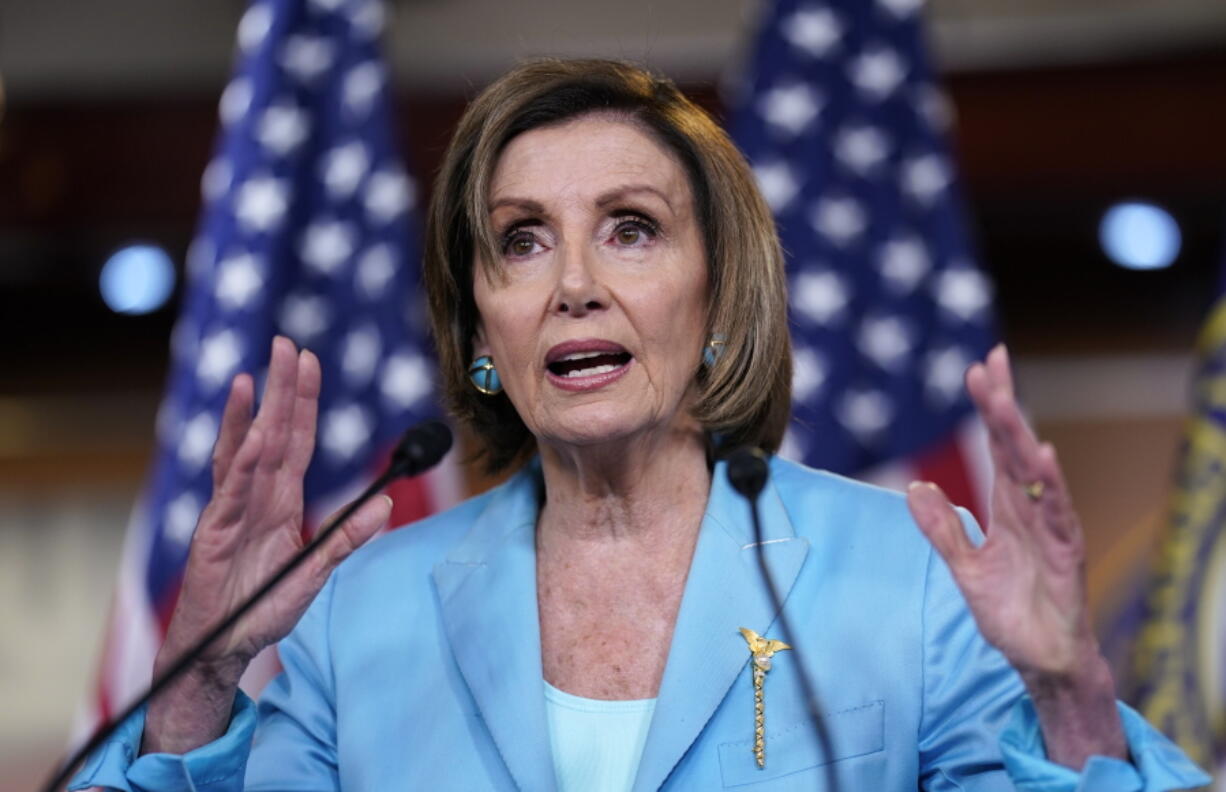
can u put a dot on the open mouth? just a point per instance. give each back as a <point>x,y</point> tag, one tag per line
<point>588,364</point>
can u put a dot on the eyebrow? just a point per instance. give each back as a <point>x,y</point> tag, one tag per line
<point>606,199</point>
<point>620,193</point>
<point>527,204</point>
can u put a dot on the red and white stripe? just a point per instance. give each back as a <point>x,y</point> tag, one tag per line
<point>960,464</point>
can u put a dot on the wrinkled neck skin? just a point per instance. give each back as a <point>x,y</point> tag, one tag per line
<point>649,489</point>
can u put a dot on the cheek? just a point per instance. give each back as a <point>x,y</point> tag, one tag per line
<point>501,331</point>
<point>509,329</point>
<point>494,306</point>
<point>677,320</point>
<point>688,302</point>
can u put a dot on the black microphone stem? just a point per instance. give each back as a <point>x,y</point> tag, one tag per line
<point>398,467</point>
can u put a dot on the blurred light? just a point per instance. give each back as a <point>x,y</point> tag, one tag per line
<point>1139,236</point>
<point>137,279</point>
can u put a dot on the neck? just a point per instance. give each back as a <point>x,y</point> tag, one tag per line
<point>645,489</point>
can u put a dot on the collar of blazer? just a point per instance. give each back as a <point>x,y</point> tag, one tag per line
<point>487,591</point>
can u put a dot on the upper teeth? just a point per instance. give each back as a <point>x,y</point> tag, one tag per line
<point>591,372</point>
<point>582,355</point>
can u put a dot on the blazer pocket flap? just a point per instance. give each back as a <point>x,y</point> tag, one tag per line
<point>852,732</point>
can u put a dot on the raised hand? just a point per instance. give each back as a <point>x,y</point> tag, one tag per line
<point>1025,585</point>
<point>250,528</point>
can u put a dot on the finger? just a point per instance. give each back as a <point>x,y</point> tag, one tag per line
<point>1017,439</point>
<point>306,410</point>
<point>979,387</point>
<point>1015,455</point>
<point>991,380</point>
<point>1034,482</point>
<point>1055,502</point>
<point>231,497</point>
<point>235,420</point>
<point>1011,441</point>
<point>995,421</point>
<point>277,404</point>
<point>1018,457</point>
<point>353,533</point>
<point>998,370</point>
<point>939,522</point>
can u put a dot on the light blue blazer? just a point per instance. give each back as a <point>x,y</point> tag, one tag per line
<point>418,667</point>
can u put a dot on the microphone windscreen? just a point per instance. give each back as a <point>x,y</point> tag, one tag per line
<point>748,471</point>
<point>421,448</point>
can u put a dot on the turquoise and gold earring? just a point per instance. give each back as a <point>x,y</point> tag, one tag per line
<point>484,376</point>
<point>713,349</point>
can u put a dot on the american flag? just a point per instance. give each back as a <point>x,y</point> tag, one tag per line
<point>843,121</point>
<point>307,230</point>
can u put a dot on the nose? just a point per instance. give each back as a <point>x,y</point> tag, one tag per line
<point>579,288</point>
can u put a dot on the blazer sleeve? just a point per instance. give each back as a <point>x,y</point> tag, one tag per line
<point>286,742</point>
<point>215,767</point>
<point>295,739</point>
<point>979,731</point>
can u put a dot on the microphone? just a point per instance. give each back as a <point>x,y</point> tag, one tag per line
<point>748,471</point>
<point>420,448</point>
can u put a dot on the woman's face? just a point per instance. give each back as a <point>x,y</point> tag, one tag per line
<point>596,312</point>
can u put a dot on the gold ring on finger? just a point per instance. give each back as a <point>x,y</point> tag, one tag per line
<point>1033,490</point>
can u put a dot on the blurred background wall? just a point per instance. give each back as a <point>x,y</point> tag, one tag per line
<point>1062,110</point>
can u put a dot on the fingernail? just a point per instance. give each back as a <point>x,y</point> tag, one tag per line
<point>924,486</point>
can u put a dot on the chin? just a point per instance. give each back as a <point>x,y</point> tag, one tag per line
<point>597,425</point>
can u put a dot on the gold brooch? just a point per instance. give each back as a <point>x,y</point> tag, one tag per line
<point>761,649</point>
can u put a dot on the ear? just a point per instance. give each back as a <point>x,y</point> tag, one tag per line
<point>479,344</point>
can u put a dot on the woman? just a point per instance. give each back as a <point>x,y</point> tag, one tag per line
<point>597,242</point>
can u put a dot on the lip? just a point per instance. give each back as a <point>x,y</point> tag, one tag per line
<point>595,381</point>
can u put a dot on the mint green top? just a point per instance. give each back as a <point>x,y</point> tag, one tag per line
<point>596,744</point>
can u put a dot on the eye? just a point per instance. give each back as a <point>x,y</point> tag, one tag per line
<point>635,231</point>
<point>519,242</point>
<point>521,245</point>
<point>628,234</point>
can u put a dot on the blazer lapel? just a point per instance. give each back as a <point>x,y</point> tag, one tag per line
<point>487,592</point>
<point>724,591</point>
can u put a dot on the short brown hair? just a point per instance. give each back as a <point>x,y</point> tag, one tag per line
<point>745,398</point>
